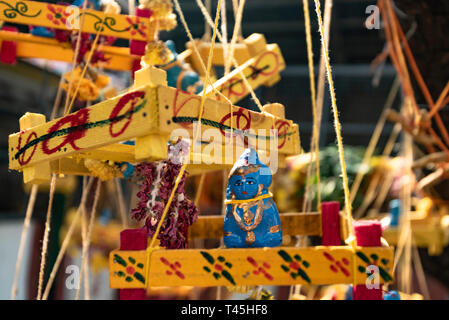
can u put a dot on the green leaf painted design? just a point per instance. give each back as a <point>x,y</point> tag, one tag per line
<point>306,263</point>
<point>139,277</point>
<point>221,258</point>
<point>206,269</point>
<point>304,275</point>
<point>120,260</point>
<point>228,264</point>
<point>361,269</point>
<point>297,257</point>
<point>128,279</point>
<point>362,256</point>
<point>385,275</point>
<point>108,22</point>
<point>384,261</point>
<point>120,273</point>
<point>216,275</point>
<point>208,257</point>
<point>21,9</point>
<point>285,268</point>
<point>228,276</point>
<point>374,256</point>
<point>285,255</point>
<point>140,265</point>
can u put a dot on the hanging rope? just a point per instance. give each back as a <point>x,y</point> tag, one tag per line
<point>75,58</point>
<point>234,62</point>
<point>121,203</point>
<point>23,237</point>
<point>86,245</point>
<point>195,48</point>
<point>314,147</point>
<point>68,236</point>
<point>336,122</point>
<point>235,35</point>
<point>374,138</point>
<point>46,235</point>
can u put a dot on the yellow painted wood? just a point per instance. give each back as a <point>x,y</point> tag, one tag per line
<point>259,266</point>
<point>150,76</point>
<point>256,43</point>
<point>29,46</point>
<point>122,272</point>
<point>39,173</point>
<point>432,237</point>
<point>152,146</point>
<point>68,18</point>
<point>119,119</point>
<point>211,227</point>
<point>117,152</point>
<point>261,69</point>
<point>69,166</point>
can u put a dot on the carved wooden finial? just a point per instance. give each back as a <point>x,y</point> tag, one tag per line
<point>276,109</point>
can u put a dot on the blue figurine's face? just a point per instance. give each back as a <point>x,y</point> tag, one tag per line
<point>245,186</point>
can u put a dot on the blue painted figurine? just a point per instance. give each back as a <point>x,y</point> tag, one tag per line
<point>179,74</point>
<point>252,219</point>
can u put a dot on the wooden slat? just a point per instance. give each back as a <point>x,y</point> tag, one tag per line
<point>118,119</point>
<point>64,17</point>
<point>29,46</point>
<point>263,69</point>
<point>318,265</point>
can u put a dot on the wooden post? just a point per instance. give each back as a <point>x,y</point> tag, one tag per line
<point>330,223</point>
<point>368,234</point>
<point>8,49</point>
<point>133,239</point>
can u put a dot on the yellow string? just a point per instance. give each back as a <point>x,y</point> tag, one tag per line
<point>314,142</point>
<point>86,245</point>
<point>264,196</point>
<point>234,62</point>
<point>75,58</point>
<point>197,132</point>
<point>197,52</point>
<point>337,125</point>
<point>68,236</point>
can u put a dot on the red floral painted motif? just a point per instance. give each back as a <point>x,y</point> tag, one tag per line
<point>58,16</point>
<point>137,26</point>
<point>260,269</point>
<point>337,265</point>
<point>174,268</point>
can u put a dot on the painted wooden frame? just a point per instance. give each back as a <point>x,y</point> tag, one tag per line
<point>149,113</point>
<point>260,63</point>
<point>320,265</point>
<point>30,46</point>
